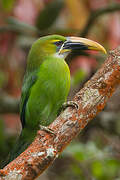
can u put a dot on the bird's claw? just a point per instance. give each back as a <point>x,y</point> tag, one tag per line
<point>68,104</point>
<point>48,130</point>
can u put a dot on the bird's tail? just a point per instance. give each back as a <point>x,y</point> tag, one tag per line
<point>21,144</point>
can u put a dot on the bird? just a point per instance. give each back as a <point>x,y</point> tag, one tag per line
<point>46,84</point>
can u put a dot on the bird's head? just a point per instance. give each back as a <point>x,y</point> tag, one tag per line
<point>56,44</point>
<point>60,46</point>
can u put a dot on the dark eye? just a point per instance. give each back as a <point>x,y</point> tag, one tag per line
<point>58,43</point>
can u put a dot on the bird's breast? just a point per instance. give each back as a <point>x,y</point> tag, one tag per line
<point>50,90</point>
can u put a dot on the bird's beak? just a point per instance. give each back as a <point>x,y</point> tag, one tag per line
<point>77,43</point>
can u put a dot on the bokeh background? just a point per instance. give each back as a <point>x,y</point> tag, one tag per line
<point>95,153</point>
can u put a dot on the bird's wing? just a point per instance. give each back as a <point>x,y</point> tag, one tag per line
<point>27,84</point>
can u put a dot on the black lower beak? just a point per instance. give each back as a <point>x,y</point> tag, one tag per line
<point>74,46</point>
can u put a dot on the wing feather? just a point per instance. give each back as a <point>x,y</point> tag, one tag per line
<point>27,85</point>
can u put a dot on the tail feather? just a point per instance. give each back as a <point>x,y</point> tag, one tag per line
<point>20,145</point>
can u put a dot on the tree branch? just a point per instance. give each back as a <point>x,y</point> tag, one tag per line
<point>46,147</point>
<point>95,14</point>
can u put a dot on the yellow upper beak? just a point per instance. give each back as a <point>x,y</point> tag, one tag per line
<point>77,43</point>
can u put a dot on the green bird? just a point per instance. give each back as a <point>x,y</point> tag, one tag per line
<point>46,84</point>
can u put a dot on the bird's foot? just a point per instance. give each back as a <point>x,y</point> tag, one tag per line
<point>68,104</point>
<point>48,130</point>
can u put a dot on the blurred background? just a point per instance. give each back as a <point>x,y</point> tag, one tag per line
<point>95,153</point>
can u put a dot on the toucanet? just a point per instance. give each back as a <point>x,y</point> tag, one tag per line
<point>46,84</point>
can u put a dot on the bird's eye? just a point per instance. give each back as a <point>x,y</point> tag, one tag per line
<point>58,43</point>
